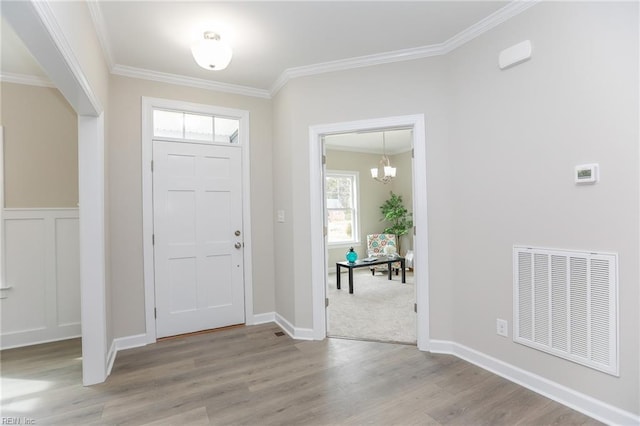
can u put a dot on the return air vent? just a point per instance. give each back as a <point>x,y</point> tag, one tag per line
<point>565,303</point>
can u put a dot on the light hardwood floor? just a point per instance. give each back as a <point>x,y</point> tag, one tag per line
<point>252,376</point>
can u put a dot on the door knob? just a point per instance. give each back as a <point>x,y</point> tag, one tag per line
<point>237,233</point>
<point>238,245</point>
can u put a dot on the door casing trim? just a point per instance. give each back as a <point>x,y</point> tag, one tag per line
<point>318,262</point>
<point>147,201</point>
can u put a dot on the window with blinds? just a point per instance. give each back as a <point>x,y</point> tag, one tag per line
<point>566,304</point>
<point>341,198</point>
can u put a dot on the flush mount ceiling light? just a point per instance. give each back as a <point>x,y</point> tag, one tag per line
<point>384,165</point>
<point>211,53</point>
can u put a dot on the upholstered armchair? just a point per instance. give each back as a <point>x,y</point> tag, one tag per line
<point>377,247</point>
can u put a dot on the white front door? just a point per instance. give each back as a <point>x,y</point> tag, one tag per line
<point>198,250</point>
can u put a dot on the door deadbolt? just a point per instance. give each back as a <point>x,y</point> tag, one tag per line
<point>237,233</point>
<point>238,245</point>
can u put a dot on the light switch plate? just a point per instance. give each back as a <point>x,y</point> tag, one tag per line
<point>281,216</point>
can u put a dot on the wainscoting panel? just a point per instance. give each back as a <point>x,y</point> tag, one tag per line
<point>41,277</point>
<point>68,271</point>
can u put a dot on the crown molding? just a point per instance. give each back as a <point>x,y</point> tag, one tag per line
<point>357,62</point>
<point>498,17</point>
<point>141,73</point>
<point>181,80</point>
<point>101,31</point>
<point>507,12</point>
<point>29,80</point>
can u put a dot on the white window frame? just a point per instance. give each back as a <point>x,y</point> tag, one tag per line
<point>234,138</point>
<point>355,203</point>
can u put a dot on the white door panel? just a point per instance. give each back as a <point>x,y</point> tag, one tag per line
<point>197,211</point>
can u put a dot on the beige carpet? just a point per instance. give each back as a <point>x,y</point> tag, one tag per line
<point>378,309</point>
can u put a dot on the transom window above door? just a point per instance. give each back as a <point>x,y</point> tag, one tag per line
<point>195,127</point>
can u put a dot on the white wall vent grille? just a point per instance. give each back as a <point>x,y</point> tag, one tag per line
<point>566,304</point>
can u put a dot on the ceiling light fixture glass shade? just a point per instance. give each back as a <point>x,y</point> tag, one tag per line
<point>384,166</point>
<point>211,53</point>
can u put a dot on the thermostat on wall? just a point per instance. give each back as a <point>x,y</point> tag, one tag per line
<point>587,173</point>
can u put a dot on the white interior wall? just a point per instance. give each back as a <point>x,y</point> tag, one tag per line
<point>418,87</point>
<point>372,194</point>
<point>516,136</point>
<point>125,194</point>
<point>501,147</point>
<point>577,98</point>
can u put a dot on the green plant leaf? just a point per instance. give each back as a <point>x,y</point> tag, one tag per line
<point>399,218</point>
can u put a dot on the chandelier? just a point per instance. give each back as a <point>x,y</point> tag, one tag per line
<point>384,172</point>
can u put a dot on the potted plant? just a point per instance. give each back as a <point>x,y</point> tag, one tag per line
<point>394,212</point>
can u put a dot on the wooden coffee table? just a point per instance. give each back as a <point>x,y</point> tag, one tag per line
<point>362,264</point>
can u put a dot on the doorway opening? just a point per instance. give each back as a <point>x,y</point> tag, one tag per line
<point>320,263</point>
<point>381,307</point>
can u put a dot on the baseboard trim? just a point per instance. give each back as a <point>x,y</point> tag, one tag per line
<point>122,343</point>
<point>295,332</point>
<point>585,404</point>
<point>21,342</point>
<point>130,342</point>
<point>111,356</point>
<point>262,318</point>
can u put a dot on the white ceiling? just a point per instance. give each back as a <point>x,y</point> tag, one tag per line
<point>272,42</point>
<point>15,58</point>
<point>270,39</point>
<point>396,141</point>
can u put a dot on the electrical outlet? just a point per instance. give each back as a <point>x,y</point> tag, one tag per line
<point>502,327</point>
